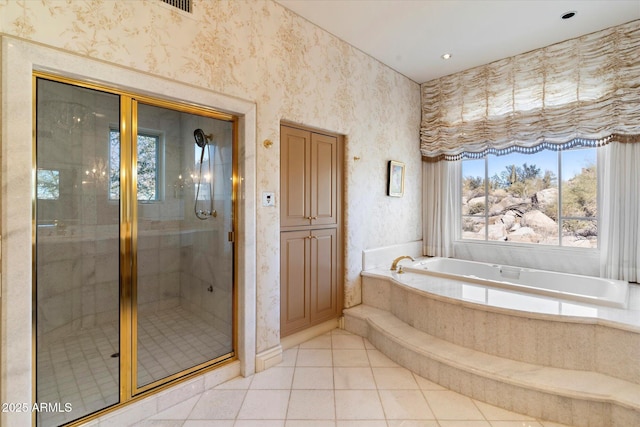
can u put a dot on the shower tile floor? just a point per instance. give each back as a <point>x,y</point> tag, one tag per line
<point>83,369</point>
<point>335,380</point>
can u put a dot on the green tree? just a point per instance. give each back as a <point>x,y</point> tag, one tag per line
<point>527,172</point>
<point>513,174</point>
<point>517,174</point>
<point>114,165</point>
<point>48,184</point>
<point>548,179</point>
<point>472,183</point>
<point>580,194</point>
<point>495,182</point>
<point>147,166</point>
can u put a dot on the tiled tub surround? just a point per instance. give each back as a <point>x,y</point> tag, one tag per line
<point>572,363</point>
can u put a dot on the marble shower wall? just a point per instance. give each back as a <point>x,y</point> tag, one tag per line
<point>77,224</point>
<point>180,258</point>
<point>293,71</point>
<point>207,271</point>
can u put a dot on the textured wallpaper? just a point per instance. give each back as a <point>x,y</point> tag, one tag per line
<point>292,70</point>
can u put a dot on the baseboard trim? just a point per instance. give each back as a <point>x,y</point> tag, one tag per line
<point>311,332</point>
<point>268,358</point>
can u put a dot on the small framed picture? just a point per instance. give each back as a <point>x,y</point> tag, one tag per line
<point>395,186</point>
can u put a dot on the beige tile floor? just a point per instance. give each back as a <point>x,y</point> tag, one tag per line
<point>336,380</point>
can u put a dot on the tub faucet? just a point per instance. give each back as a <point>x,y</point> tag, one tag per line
<point>394,265</point>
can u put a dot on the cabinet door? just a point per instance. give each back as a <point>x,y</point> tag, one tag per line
<point>324,274</point>
<point>324,179</point>
<point>295,181</point>
<point>294,281</point>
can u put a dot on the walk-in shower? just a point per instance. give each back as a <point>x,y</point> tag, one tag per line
<point>131,290</point>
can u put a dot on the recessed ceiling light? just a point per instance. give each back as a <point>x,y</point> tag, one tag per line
<point>446,56</point>
<point>569,15</point>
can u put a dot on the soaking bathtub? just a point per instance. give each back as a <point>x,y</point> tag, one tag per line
<point>593,290</point>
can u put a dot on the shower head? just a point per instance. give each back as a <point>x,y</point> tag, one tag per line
<point>201,138</point>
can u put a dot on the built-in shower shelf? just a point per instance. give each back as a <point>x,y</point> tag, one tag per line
<point>575,397</point>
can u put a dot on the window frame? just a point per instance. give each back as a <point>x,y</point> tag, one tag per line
<point>561,218</point>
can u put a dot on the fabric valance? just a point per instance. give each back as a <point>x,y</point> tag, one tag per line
<point>581,91</point>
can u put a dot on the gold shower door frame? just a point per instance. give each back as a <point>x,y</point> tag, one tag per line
<point>129,389</point>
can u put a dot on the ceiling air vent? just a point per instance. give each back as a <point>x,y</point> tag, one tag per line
<point>180,4</point>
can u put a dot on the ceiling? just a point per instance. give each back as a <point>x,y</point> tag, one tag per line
<point>410,36</point>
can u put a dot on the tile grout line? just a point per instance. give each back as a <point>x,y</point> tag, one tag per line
<point>333,381</point>
<point>425,398</point>
<point>295,367</point>
<point>384,413</point>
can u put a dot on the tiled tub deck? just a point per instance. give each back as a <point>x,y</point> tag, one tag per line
<point>562,361</point>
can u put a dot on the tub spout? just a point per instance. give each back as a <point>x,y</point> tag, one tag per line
<point>394,265</point>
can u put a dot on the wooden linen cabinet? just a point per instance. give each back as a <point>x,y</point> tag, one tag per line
<point>311,235</point>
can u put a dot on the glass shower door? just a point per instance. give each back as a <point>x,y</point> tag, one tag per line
<point>76,252</point>
<point>183,290</point>
<point>134,251</point>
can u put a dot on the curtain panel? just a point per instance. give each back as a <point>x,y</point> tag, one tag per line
<point>583,91</point>
<point>441,195</point>
<point>620,214</point>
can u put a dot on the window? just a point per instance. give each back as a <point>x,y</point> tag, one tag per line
<point>547,198</point>
<point>148,166</point>
<point>48,184</point>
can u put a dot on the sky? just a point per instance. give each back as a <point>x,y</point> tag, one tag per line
<point>572,162</point>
